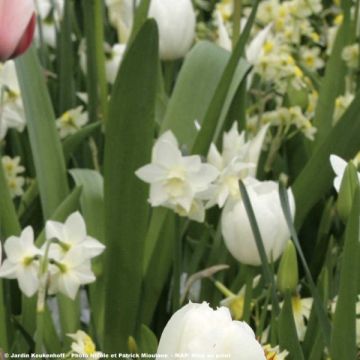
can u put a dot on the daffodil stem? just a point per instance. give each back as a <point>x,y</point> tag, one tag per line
<point>41,298</point>
<point>236,20</point>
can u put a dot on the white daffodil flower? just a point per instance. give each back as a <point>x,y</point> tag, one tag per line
<point>71,121</point>
<point>339,165</point>
<point>22,261</point>
<point>83,345</point>
<point>11,109</point>
<point>70,272</point>
<point>237,231</point>
<point>301,311</point>
<point>238,160</point>
<point>70,235</point>
<point>174,179</point>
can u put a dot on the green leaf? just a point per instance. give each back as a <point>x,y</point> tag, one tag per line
<point>348,187</point>
<point>267,271</point>
<point>44,140</point>
<point>333,83</point>
<point>344,141</point>
<point>288,338</point>
<point>194,90</point>
<point>72,142</point>
<point>140,17</point>
<point>65,58</point>
<point>128,142</point>
<point>343,341</point>
<point>147,341</point>
<point>213,113</point>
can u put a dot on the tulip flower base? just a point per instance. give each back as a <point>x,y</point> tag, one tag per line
<point>179,179</point>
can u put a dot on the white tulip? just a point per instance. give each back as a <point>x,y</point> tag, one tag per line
<point>236,228</point>
<point>72,234</point>
<point>176,21</point>
<point>198,330</point>
<point>22,261</point>
<point>339,165</point>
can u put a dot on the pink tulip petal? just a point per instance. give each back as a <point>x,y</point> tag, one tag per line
<point>15,18</point>
<point>26,39</point>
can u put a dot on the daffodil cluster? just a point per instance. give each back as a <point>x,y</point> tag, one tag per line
<point>13,170</point>
<point>189,186</point>
<point>64,259</point>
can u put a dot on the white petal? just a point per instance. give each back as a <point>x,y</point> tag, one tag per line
<point>75,228</point>
<point>28,280</point>
<point>151,173</point>
<point>338,164</point>
<point>253,52</point>
<point>54,230</point>
<point>93,247</point>
<point>8,270</point>
<point>166,154</point>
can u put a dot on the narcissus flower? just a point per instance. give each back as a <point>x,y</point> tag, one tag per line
<point>70,272</point>
<point>71,121</point>
<point>22,262</point>
<point>17,25</point>
<point>83,345</point>
<point>237,231</point>
<point>175,179</point>
<point>13,169</point>
<point>197,329</point>
<point>72,234</point>
<point>238,160</point>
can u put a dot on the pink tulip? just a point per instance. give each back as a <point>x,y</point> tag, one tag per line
<point>17,25</point>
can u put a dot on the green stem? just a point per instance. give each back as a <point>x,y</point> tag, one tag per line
<point>96,77</point>
<point>236,21</point>
<point>41,298</point>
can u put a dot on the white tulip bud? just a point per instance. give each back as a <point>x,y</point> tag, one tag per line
<point>199,331</point>
<point>236,228</point>
<point>176,21</point>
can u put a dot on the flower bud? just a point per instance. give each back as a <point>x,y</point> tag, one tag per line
<point>176,21</point>
<point>198,330</point>
<point>17,25</point>
<point>288,275</point>
<point>237,231</point>
<point>349,184</point>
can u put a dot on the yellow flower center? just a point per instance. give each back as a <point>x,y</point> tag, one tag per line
<point>89,346</point>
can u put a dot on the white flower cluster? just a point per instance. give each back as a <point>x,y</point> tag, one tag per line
<point>11,106</point>
<point>13,169</point>
<point>65,256</point>
<point>188,186</point>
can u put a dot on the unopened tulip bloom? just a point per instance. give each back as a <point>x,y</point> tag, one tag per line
<point>176,21</point>
<point>237,231</point>
<point>17,25</point>
<point>198,330</point>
